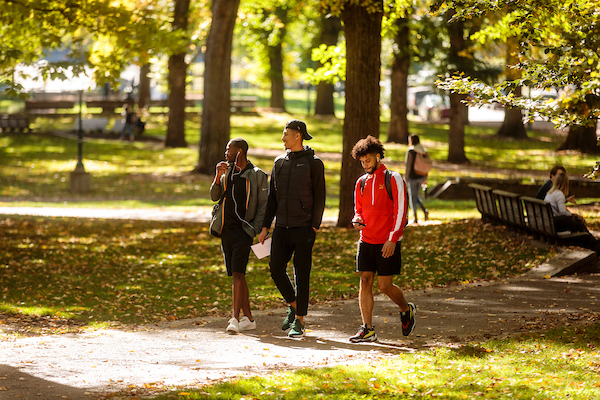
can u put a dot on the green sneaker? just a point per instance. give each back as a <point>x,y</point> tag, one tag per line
<point>408,319</point>
<point>287,322</point>
<point>297,329</point>
<point>364,334</point>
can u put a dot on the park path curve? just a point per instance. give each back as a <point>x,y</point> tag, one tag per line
<point>148,359</point>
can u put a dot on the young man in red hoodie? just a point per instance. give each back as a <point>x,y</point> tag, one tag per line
<point>380,212</point>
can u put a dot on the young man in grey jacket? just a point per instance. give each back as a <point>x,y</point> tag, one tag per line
<point>242,189</point>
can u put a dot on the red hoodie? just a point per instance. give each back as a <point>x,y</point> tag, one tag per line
<point>384,218</point>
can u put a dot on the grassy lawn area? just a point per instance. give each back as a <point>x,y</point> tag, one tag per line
<point>36,167</point>
<point>98,273</point>
<point>561,364</point>
<point>135,272</point>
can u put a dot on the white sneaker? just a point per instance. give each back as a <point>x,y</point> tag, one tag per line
<point>246,325</point>
<point>233,326</point>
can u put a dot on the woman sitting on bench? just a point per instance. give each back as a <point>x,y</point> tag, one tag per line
<point>564,220</point>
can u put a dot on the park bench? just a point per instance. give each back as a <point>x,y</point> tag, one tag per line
<point>14,123</point>
<point>108,106</point>
<point>91,124</point>
<point>510,209</point>
<point>540,221</point>
<point>44,107</point>
<point>240,102</point>
<point>486,203</point>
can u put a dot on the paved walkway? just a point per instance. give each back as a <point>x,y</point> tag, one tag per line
<point>195,352</point>
<point>146,360</point>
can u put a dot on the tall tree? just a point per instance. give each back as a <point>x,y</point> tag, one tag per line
<point>177,76</point>
<point>362,29</point>
<point>265,32</point>
<point>398,126</point>
<point>456,134</point>
<point>216,104</point>
<point>582,137</point>
<point>144,86</point>
<point>30,28</point>
<point>275,52</point>
<point>560,47</point>
<point>330,31</point>
<point>512,126</point>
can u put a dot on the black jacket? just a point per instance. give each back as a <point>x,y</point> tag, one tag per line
<point>297,190</point>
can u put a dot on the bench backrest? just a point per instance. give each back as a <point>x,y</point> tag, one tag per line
<point>486,203</point>
<point>510,208</point>
<point>539,216</point>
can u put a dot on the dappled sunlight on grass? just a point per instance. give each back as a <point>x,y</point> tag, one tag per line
<point>147,271</point>
<point>562,363</point>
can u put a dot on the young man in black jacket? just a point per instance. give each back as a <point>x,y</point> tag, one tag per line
<point>297,201</point>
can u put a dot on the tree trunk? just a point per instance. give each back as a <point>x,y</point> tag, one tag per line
<point>277,102</point>
<point>458,110</point>
<point>177,74</point>
<point>144,89</point>
<point>582,138</point>
<point>216,111</point>
<point>398,127</point>
<point>513,126</point>
<point>456,134</point>
<point>363,49</point>
<point>330,32</point>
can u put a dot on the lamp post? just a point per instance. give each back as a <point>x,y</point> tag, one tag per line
<point>80,179</point>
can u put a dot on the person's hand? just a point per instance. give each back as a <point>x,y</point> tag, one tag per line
<point>388,249</point>
<point>572,199</point>
<point>358,223</point>
<point>263,235</point>
<point>220,169</point>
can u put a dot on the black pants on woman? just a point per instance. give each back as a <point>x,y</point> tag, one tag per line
<point>299,243</point>
<point>569,223</point>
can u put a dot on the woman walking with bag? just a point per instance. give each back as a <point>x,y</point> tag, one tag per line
<point>418,165</point>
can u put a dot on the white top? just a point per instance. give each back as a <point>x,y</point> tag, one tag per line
<point>558,202</point>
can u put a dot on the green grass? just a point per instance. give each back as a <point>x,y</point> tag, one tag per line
<point>145,271</point>
<point>36,168</point>
<point>558,364</point>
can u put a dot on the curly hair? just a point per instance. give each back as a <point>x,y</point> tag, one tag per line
<point>368,145</point>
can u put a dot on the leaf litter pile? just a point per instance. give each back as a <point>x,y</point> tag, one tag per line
<point>67,274</point>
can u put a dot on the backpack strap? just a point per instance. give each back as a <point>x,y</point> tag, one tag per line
<point>388,183</point>
<point>363,179</point>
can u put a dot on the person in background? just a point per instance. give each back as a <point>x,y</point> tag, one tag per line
<point>414,180</point>
<point>242,188</point>
<point>381,218</point>
<point>297,201</point>
<point>564,220</point>
<point>128,122</point>
<point>543,190</point>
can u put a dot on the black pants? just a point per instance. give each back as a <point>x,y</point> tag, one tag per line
<point>299,242</point>
<point>568,223</point>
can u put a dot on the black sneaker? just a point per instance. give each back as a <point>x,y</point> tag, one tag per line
<point>408,319</point>
<point>364,334</point>
<point>287,322</point>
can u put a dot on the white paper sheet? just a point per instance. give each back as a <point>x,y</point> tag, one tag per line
<point>262,250</point>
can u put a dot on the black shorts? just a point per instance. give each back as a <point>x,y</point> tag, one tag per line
<point>235,245</point>
<point>369,258</point>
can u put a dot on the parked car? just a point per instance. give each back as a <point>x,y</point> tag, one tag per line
<point>434,107</point>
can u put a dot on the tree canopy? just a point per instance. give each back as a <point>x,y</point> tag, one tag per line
<point>559,48</point>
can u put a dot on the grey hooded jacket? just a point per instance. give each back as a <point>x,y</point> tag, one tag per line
<point>256,199</point>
